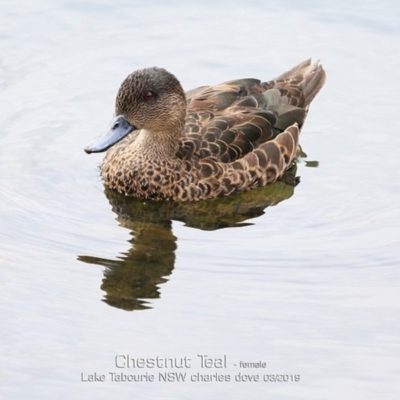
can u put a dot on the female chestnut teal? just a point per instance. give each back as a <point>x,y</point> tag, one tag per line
<point>212,141</point>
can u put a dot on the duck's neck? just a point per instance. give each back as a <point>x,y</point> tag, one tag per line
<point>155,145</point>
<point>160,140</point>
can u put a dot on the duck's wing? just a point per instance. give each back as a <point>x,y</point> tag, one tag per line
<point>227,121</point>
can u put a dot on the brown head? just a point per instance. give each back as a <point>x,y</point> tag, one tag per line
<point>151,99</point>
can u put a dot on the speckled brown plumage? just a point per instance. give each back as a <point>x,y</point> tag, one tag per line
<point>213,141</point>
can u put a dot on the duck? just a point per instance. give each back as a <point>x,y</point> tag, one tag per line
<point>167,145</point>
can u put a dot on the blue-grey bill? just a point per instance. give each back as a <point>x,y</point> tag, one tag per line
<point>118,129</point>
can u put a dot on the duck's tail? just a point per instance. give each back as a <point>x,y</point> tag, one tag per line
<point>289,95</point>
<point>301,83</point>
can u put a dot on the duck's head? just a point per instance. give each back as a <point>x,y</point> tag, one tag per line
<point>151,99</point>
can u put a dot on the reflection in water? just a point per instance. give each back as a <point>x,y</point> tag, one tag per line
<point>136,274</point>
<point>134,277</point>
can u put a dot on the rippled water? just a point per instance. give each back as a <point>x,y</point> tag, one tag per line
<point>305,279</point>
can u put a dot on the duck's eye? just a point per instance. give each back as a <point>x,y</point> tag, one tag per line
<point>149,95</point>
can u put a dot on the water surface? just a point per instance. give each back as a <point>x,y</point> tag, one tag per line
<point>305,279</point>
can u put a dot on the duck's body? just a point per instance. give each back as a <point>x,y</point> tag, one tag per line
<point>211,142</point>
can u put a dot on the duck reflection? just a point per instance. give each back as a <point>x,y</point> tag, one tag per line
<point>134,277</point>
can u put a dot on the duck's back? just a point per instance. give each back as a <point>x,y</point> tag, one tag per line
<point>227,121</point>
